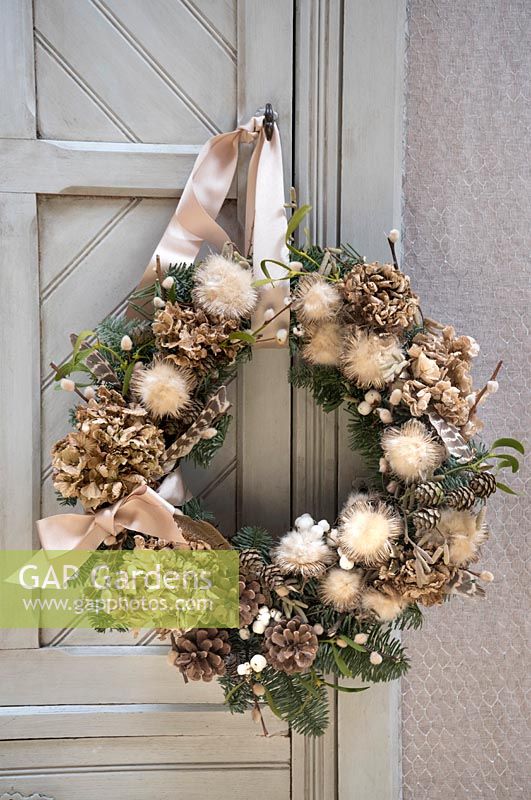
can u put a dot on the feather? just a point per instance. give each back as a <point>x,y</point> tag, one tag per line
<point>98,365</point>
<point>465,582</point>
<point>455,444</point>
<point>216,406</point>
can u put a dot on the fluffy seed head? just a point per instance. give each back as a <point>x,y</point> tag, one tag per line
<point>303,553</point>
<point>411,450</point>
<point>464,532</point>
<point>163,389</point>
<point>223,288</point>
<point>324,345</point>
<point>341,589</point>
<point>371,360</point>
<point>385,606</point>
<point>316,299</point>
<point>366,531</point>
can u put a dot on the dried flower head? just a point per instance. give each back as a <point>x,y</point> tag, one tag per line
<point>324,345</point>
<point>366,530</point>
<point>369,360</point>
<point>303,553</point>
<point>224,288</point>
<point>114,449</point>
<point>191,339</point>
<point>341,588</point>
<point>316,299</point>
<point>381,297</point>
<point>411,451</point>
<point>163,389</point>
<point>384,606</point>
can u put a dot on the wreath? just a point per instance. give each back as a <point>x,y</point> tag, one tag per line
<point>326,599</point>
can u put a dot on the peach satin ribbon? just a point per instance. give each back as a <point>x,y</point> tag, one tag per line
<point>194,220</point>
<point>143,511</point>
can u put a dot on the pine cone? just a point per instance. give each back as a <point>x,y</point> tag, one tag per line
<point>426,518</point>
<point>461,499</point>
<point>200,653</point>
<point>381,296</point>
<point>114,449</point>
<point>251,598</point>
<point>483,484</point>
<point>272,577</point>
<point>429,494</point>
<point>290,645</point>
<point>251,562</point>
<point>189,338</point>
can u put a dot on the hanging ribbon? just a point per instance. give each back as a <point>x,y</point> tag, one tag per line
<point>194,220</point>
<point>143,511</point>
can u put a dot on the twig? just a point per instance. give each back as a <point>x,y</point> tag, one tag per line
<point>393,252</point>
<point>260,716</point>
<point>158,269</point>
<point>76,390</point>
<point>481,394</point>
<point>269,321</point>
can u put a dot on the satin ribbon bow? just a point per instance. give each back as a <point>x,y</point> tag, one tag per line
<point>143,511</point>
<point>194,220</point>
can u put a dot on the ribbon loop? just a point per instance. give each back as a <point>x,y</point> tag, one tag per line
<point>143,511</point>
<point>194,220</point>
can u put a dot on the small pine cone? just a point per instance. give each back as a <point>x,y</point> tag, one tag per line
<point>272,577</point>
<point>251,562</point>
<point>290,645</point>
<point>425,519</point>
<point>461,498</point>
<point>251,598</point>
<point>200,653</point>
<point>429,494</point>
<point>483,484</point>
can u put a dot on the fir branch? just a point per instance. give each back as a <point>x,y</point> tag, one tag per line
<point>326,384</point>
<point>65,501</point>
<point>204,451</point>
<point>364,437</point>
<point>253,538</point>
<point>302,701</point>
<point>193,508</point>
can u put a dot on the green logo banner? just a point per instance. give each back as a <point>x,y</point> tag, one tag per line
<point>119,589</point>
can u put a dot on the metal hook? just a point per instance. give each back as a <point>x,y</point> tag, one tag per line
<point>269,121</point>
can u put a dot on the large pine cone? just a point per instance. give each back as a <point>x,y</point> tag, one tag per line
<point>290,645</point>
<point>251,598</point>
<point>381,296</point>
<point>200,653</point>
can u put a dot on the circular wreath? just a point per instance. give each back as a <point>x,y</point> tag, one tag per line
<point>327,597</point>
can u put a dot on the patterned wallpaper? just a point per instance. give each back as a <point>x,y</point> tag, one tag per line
<point>467,245</point>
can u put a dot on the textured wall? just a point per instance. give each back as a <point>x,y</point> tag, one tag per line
<point>467,246</point>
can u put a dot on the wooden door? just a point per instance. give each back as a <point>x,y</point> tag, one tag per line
<point>104,107</point>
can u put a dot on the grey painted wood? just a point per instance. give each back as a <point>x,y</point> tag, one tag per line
<point>372,132</point>
<point>17,109</point>
<point>266,35</point>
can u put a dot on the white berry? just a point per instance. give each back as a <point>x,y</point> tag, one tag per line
<point>373,397</point>
<point>259,626</point>
<point>168,282</point>
<point>67,385</point>
<point>364,408</point>
<point>385,415</point>
<point>394,236</point>
<point>345,563</point>
<point>324,524</point>
<point>244,669</point>
<point>158,302</point>
<point>258,663</point>
<point>245,633</point>
<point>361,638</point>
<point>375,658</point>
